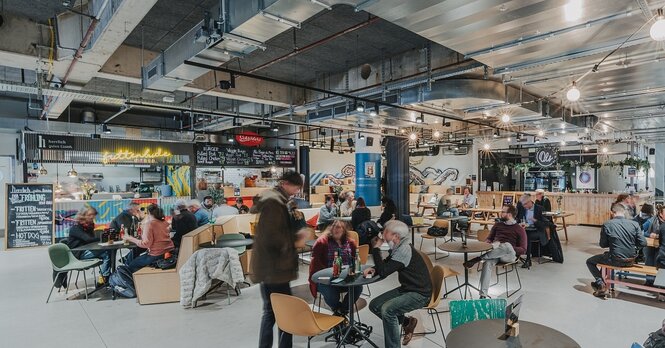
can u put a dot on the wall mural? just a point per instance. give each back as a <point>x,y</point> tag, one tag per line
<point>347,171</point>
<point>179,178</point>
<point>437,176</point>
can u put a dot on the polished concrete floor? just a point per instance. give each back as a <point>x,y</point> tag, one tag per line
<point>556,295</point>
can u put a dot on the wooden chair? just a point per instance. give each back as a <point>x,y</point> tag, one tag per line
<point>464,311</point>
<point>437,276</point>
<point>448,272</point>
<point>437,223</point>
<point>294,316</point>
<point>354,235</point>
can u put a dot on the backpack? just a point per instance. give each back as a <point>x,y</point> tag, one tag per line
<point>122,283</point>
<point>437,231</point>
<point>163,263</point>
<point>367,230</point>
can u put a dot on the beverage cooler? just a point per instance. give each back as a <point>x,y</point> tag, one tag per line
<point>551,181</point>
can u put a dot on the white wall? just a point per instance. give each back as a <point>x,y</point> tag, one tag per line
<point>324,162</point>
<point>113,175</point>
<point>8,139</point>
<point>464,165</point>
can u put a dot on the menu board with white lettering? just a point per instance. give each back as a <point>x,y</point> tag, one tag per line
<point>234,156</point>
<point>29,215</point>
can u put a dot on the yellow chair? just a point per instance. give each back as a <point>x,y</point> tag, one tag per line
<point>482,235</point>
<point>354,235</point>
<point>438,276</point>
<point>294,316</point>
<point>437,223</point>
<point>363,252</point>
<point>448,272</point>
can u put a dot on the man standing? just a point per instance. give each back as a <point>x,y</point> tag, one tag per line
<point>183,222</point>
<point>509,240</point>
<point>530,216</point>
<point>415,284</point>
<point>327,213</point>
<point>623,236</point>
<point>128,218</point>
<point>274,258</point>
<point>202,216</point>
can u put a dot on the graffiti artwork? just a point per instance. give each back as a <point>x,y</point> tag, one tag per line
<point>348,171</point>
<point>437,176</point>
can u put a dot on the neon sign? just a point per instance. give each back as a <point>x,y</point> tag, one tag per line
<point>130,156</point>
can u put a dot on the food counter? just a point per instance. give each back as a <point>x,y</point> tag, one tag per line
<point>589,208</point>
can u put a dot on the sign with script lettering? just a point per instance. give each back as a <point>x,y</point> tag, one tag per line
<point>546,157</point>
<point>29,212</point>
<point>249,139</point>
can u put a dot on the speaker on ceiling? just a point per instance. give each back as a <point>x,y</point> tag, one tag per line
<point>652,151</point>
<point>369,141</point>
<point>332,145</point>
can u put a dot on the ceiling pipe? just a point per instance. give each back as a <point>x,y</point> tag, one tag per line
<point>77,55</point>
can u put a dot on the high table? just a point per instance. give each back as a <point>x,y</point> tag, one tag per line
<point>113,248</point>
<point>563,216</point>
<point>417,227</point>
<point>324,276</point>
<point>460,247</point>
<point>229,243</point>
<point>485,333</point>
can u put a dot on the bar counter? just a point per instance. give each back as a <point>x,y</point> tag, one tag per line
<point>589,208</point>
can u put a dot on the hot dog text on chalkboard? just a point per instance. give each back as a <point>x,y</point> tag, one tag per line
<point>29,215</point>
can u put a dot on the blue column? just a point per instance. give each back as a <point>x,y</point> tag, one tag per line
<point>368,170</point>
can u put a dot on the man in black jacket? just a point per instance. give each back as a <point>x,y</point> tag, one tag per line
<point>543,201</point>
<point>128,218</point>
<point>530,216</point>
<point>623,236</point>
<point>415,284</point>
<point>83,233</point>
<point>183,223</point>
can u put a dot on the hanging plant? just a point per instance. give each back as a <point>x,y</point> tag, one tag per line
<point>524,166</point>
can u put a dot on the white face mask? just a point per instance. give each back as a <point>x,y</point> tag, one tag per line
<point>391,244</point>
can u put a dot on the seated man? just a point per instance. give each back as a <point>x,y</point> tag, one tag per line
<point>530,216</point>
<point>468,202</point>
<point>183,222</point>
<point>415,284</point>
<point>202,216</point>
<point>327,213</point>
<point>509,239</point>
<point>446,207</point>
<point>623,236</point>
<point>129,218</point>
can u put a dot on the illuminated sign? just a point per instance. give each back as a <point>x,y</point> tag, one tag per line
<point>130,156</point>
<point>248,138</point>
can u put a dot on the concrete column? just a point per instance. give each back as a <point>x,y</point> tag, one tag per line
<point>659,180</point>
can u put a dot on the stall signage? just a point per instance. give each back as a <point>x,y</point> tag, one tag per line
<point>231,156</point>
<point>546,157</point>
<point>29,219</point>
<point>123,156</point>
<point>249,139</point>
<point>53,142</point>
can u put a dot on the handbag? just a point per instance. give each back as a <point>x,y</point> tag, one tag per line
<point>437,231</point>
<point>166,263</point>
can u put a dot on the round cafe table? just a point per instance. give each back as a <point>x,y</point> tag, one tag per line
<point>228,243</point>
<point>324,276</point>
<point>465,248</point>
<point>486,333</point>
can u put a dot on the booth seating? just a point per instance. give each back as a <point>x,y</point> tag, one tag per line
<point>155,285</point>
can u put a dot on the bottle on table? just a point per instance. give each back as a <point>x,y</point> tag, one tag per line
<point>335,267</point>
<point>358,263</point>
<point>339,262</point>
<point>352,266</point>
<point>122,234</point>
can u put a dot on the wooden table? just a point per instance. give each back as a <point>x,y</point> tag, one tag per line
<point>487,218</point>
<point>563,215</point>
<point>426,206</point>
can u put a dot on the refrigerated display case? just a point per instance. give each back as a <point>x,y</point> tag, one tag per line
<point>551,181</point>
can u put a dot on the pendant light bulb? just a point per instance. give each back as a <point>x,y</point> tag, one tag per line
<point>505,118</point>
<point>657,30</point>
<point>573,93</point>
<point>72,173</point>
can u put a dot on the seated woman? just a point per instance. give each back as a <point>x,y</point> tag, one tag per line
<point>155,238</point>
<point>82,233</point>
<point>389,211</point>
<point>360,214</point>
<point>335,239</point>
<point>348,205</point>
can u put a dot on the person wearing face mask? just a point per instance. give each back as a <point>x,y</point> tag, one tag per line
<point>509,241</point>
<point>336,239</point>
<point>415,287</point>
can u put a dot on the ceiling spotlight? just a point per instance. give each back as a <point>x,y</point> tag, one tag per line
<point>374,111</point>
<point>573,93</point>
<point>657,30</point>
<point>505,118</point>
<point>72,173</point>
<point>496,134</point>
<point>402,130</point>
<point>508,139</point>
<point>413,136</point>
<point>421,119</point>
<point>536,140</point>
<point>105,129</point>
<point>587,130</point>
<point>436,133</point>
<point>563,143</point>
<point>604,149</point>
<point>456,147</point>
<point>563,131</point>
<point>42,170</point>
<point>229,138</point>
<point>293,143</point>
<point>586,149</point>
<point>275,128</point>
<point>360,107</point>
<point>361,136</point>
<point>541,133</point>
<point>486,146</point>
<point>563,125</point>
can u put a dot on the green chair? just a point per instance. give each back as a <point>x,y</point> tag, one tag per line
<point>63,261</point>
<point>234,236</point>
<point>462,312</point>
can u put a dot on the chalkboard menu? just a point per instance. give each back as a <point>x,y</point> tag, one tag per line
<point>29,213</point>
<point>231,156</point>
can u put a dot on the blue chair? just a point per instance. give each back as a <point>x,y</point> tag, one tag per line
<point>462,312</point>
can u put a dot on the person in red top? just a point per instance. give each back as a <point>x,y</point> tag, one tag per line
<point>155,238</point>
<point>509,241</point>
<point>336,239</point>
